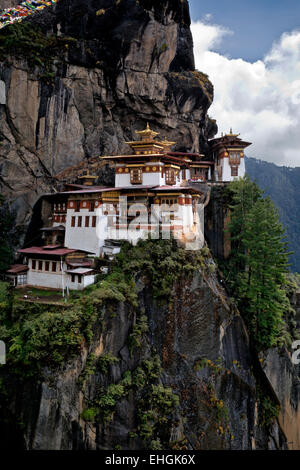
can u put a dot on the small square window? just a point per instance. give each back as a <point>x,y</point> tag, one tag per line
<point>234,171</point>
<point>136,176</point>
<point>170,177</point>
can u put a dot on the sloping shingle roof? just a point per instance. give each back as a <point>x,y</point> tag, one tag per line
<point>17,268</point>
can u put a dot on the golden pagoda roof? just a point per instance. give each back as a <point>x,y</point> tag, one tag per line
<point>87,175</point>
<point>167,143</point>
<point>147,134</point>
<point>231,134</point>
<point>148,141</point>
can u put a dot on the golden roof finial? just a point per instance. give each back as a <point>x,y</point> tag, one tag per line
<point>231,134</point>
<point>147,134</point>
<point>167,144</point>
<point>87,175</point>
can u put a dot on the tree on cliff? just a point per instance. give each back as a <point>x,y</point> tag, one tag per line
<point>258,262</point>
<point>7,223</point>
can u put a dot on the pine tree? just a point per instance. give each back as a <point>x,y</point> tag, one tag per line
<point>244,194</point>
<point>258,263</point>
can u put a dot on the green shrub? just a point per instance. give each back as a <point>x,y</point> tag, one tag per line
<point>154,412</point>
<point>105,361</point>
<point>89,414</point>
<point>162,262</point>
<point>268,409</point>
<point>89,369</point>
<point>139,329</point>
<point>108,399</point>
<point>27,41</point>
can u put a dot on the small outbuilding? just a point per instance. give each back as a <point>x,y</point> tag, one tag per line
<point>17,274</point>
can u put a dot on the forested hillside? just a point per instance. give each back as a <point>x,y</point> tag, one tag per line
<point>282,185</point>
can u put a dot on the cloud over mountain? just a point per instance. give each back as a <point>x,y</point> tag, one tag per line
<point>261,100</point>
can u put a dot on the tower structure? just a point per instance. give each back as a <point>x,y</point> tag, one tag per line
<point>227,153</point>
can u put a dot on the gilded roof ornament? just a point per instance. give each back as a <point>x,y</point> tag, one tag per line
<point>231,134</point>
<point>87,175</point>
<point>167,143</point>
<point>147,134</point>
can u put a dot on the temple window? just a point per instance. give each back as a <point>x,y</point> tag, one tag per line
<point>87,221</point>
<point>33,265</point>
<point>47,264</point>
<point>54,266</point>
<point>94,221</point>
<point>79,224</point>
<point>73,221</point>
<point>170,176</point>
<point>169,202</point>
<point>136,176</point>
<point>234,171</point>
<point>234,158</point>
<point>40,265</point>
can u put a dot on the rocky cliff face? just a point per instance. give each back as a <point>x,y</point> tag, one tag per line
<point>206,360</point>
<point>284,378</point>
<point>108,68</point>
<point>9,3</point>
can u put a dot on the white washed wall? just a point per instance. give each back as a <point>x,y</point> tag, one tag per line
<point>226,175</point>
<point>122,179</point>
<point>85,281</point>
<point>81,238</point>
<point>46,279</point>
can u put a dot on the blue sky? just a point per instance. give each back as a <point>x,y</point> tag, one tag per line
<point>251,52</point>
<point>255,23</point>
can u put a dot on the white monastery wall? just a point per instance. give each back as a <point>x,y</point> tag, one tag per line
<point>122,179</point>
<point>47,279</point>
<point>81,238</point>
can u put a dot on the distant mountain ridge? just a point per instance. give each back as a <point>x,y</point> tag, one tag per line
<point>282,184</point>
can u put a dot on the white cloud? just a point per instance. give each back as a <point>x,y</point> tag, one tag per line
<point>207,36</point>
<point>261,100</point>
<point>208,17</point>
